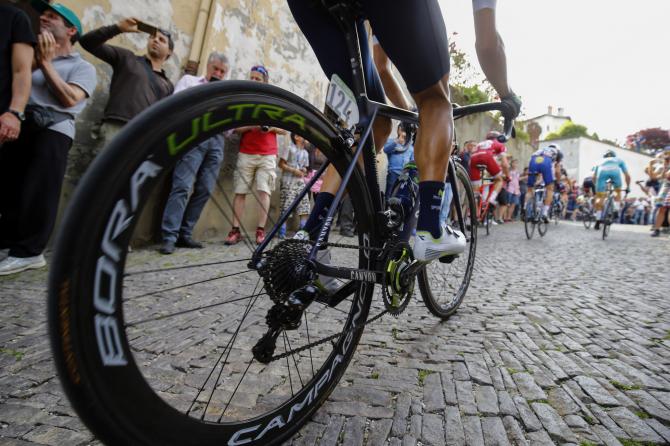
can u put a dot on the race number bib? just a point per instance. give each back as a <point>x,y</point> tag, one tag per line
<point>341,100</point>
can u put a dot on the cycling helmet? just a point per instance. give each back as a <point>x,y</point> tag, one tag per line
<point>493,134</point>
<point>609,154</point>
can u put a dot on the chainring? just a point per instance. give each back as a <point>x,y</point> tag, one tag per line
<point>397,293</point>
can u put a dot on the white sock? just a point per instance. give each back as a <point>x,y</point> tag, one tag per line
<point>545,210</point>
<point>492,198</point>
<point>599,215</point>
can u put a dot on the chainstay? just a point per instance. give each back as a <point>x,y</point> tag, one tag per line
<point>337,245</point>
<point>322,341</point>
<point>335,336</point>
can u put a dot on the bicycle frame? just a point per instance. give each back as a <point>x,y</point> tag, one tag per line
<point>484,205</point>
<point>369,111</point>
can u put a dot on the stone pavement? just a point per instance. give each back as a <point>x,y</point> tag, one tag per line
<point>561,340</point>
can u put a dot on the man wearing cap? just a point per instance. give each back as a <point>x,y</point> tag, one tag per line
<point>137,81</point>
<point>16,56</point>
<point>256,168</point>
<point>32,167</point>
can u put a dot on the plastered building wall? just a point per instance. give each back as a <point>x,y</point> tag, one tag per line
<point>249,32</point>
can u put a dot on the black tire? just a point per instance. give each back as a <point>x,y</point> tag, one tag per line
<point>101,367</point>
<point>487,220</point>
<point>530,221</point>
<point>542,227</point>
<point>443,285</point>
<point>607,218</point>
<point>587,217</point>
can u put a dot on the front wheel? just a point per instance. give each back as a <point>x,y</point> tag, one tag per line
<point>443,284</point>
<point>530,221</point>
<point>587,218</point>
<point>149,357</point>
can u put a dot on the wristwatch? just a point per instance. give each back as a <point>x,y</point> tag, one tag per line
<point>20,115</point>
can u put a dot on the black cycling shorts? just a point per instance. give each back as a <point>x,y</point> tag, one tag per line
<point>412,33</point>
<point>503,197</point>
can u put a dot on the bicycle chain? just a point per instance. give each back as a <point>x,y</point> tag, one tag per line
<point>322,341</point>
<point>335,336</point>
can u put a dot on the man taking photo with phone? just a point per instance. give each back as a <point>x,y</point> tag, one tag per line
<point>137,81</point>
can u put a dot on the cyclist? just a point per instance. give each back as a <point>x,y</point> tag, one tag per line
<point>663,201</point>
<point>588,188</point>
<point>609,168</point>
<point>545,161</point>
<point>491,153</point>
<point>426,71</point>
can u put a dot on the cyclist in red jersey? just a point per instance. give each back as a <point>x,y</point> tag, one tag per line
<point>486,153</point>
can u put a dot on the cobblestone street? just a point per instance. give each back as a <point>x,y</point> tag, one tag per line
<point>560,340</point>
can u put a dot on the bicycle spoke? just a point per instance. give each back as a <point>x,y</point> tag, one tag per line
<point>227,348</point>
<point>311,360</point>
<point>179,313</point>
<point>294,361</point>
<point>251,361</point>
<point>175,268</point>
<point>186,285</point>
<point>288,365</point>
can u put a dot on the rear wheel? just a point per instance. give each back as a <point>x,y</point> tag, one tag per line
<point>607,218</point>
<point>487,219</point>
<point>443,283</point>
<point>149,358</point>
<point>530,221</point>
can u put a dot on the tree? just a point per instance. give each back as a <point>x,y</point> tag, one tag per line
<point>569,130</point>
<point>466,81</point>
<point>649,140</point>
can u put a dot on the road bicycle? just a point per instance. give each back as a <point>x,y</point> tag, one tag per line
<point>533,216</point>
<point>609,213</point>
<point>587,212</point>
<point>246,344</point>
<point>484,208</point>
<point>556,209</point>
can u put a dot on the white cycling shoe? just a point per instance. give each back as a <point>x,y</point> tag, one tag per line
<point>427,248</point>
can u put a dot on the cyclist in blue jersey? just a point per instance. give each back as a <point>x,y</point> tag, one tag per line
<point>547,162</point>
<point>425,69</point>
<point>610,168</point>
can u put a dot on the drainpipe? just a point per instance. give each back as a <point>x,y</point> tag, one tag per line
<point>208,32</point>
<point>204,13</point>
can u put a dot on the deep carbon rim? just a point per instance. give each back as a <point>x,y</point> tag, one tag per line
<point>90,368</point>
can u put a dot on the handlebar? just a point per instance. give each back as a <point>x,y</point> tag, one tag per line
<point>508,127</point>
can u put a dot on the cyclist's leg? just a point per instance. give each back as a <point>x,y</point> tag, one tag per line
<point>618,184</point>
<point>329,45</point>
<point>425,69</point>
<point>530,191</point>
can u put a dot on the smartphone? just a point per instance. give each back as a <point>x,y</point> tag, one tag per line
<point>146,28</point>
